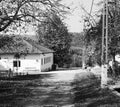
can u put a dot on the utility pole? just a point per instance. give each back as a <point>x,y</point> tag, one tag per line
<point>106,31</point>
<point>104,44</point>
<point>83,57</point>
<point>115,23</point>
<point>83,50</point>
<point>103,33</point>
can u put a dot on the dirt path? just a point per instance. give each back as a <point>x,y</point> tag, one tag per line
<point>75,88</point>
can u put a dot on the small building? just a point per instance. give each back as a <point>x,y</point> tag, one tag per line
<point>25,56</point>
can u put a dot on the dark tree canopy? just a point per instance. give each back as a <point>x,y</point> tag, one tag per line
<point>95,33</point>
<point>19,12</point>
<point>54,34</point>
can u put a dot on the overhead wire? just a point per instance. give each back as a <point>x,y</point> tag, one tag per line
<point>91,9</point>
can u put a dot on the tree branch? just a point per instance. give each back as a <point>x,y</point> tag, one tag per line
<point>89,15</point>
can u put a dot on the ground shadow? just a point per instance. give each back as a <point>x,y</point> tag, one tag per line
<point>14,90</point>
<point>88,93</point>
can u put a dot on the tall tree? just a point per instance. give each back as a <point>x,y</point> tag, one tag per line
<point>114,27</point>
<point>93,40</point>
<point>54,34</point>
<point>19,12</point>
<point>95,33</point>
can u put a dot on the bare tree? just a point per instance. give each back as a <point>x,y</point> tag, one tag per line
<point>19,12</point>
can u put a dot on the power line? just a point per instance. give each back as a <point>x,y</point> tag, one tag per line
<point>84,48</point>
<point>91,7</point>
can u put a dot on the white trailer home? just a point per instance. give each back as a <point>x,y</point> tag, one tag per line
<point>25,56</point>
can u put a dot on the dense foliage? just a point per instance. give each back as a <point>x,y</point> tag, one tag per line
<point>77,49</point>
<point>54,34</point>
<point>14,13</point>
<point>95,33</point>
<point>93,42</point>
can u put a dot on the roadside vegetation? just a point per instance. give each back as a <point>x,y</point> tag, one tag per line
<point>93,35</point>
<point>53,34</point>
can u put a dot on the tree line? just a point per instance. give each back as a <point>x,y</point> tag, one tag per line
<point>47,16</point>
<point>94,34</point>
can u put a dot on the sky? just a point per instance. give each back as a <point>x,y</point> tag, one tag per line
<point>74,20</point>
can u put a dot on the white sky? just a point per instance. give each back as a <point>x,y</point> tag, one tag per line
<point>75,21</point>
